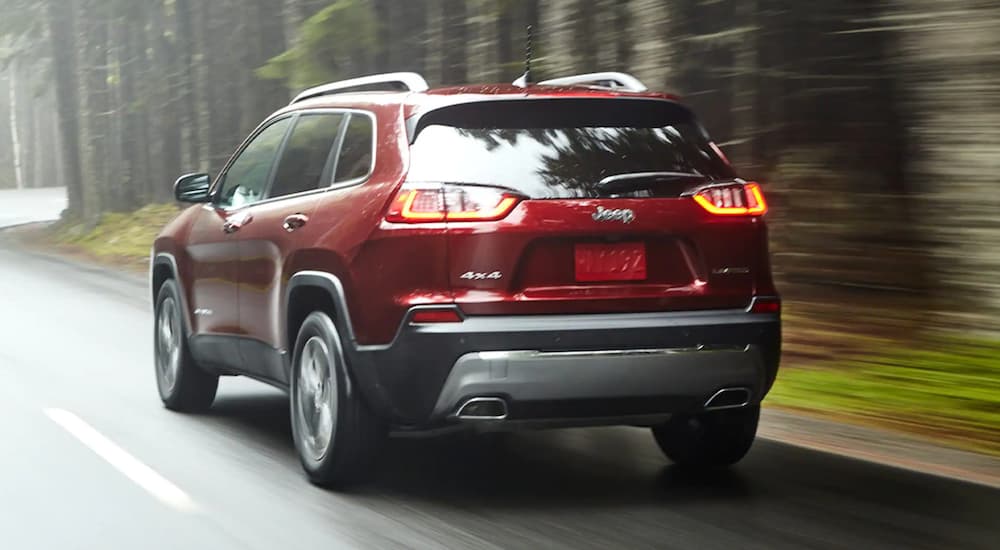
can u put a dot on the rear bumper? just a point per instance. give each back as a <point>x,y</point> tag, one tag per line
<point>527,379</point>
<point>611,367</point>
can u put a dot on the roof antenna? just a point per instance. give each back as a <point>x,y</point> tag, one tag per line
<point>525,79</point>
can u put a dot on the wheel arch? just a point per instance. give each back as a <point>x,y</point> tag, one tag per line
<point>164,268</point>
<point>308,291</point>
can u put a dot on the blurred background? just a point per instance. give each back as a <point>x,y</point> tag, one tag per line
<point>873,125</point>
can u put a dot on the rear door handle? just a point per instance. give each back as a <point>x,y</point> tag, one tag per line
<point>295,221</point>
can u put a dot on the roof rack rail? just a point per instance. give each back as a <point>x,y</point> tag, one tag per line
<point>412,82</point>
<point>610,80</point>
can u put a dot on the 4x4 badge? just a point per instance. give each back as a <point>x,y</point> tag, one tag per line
<point>624,215</point>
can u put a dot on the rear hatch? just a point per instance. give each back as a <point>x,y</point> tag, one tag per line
<point>583,206</point>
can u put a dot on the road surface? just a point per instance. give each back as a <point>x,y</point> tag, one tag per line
<point>31,205</point>
<point>90,459</point>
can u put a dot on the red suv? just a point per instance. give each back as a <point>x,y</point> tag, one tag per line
<point>575,252</point>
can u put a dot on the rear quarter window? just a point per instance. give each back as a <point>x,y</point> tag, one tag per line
<point>357,153</point>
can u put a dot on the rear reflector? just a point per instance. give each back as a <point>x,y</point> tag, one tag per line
<point>438,203</point>
<point>765,305</point>
<point>736,199</point>
<point>425,316</point>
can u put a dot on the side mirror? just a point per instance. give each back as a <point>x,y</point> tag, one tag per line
<point>193,188</point>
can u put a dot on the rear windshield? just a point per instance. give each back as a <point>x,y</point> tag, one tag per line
<point>564,148</point>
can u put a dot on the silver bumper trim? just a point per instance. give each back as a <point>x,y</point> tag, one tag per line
<point>562,375</point>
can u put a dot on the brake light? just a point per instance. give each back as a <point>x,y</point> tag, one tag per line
<point>438,203</point>
<point>738,199</point>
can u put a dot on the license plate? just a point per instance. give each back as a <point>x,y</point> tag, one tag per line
<point>610,262</point>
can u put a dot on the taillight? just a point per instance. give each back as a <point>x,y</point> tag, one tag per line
<point>417,205</point>
<point>438,203</point>
<point>737,199</point>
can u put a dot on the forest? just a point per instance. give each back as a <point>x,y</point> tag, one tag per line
<point>874,126</point>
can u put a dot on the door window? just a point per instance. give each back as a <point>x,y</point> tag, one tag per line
<point>246,180</point>
<point>306,154</point>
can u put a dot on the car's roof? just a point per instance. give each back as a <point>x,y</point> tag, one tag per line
<point>539,90</point>
<point>415,102</point>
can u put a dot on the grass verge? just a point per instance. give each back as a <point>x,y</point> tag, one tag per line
<point>947,388</point>
<point>122,239</point>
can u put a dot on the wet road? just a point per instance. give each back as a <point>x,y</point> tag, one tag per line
<point>89,459</point>
<point>31,205</point>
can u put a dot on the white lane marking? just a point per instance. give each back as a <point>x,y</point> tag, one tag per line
<point>131,467</point>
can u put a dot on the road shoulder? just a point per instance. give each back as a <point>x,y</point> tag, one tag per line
<point>880,446</point>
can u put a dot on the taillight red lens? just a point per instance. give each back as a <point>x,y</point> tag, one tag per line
<point>425,316</point>
<point>738,199</point>
<point>423,204</point>
<point>418,205</point>
<point>765,305</point>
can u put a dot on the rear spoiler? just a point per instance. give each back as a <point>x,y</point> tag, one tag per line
<point>496,112</point>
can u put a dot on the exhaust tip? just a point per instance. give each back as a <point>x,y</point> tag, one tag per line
<point>483,408</point>
<point>728,398</point>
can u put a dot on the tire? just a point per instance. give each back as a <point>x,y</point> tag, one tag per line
<point>710,439</point>
<point>183,385</point>
<point>336,435</point>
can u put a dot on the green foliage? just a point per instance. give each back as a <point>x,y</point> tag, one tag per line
<point>946,387</point>
<point>334,43</point>
<point>125,237</point>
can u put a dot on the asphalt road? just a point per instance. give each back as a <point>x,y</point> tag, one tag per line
<point>31,205</point>
<point>90,459</point>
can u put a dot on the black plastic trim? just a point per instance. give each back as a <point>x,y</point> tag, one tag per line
<point>403,378</point>
<point>168,259</point>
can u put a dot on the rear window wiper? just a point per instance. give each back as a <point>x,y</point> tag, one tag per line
<point>638,181</point>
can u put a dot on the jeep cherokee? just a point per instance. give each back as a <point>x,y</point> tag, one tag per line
<point>575,252</point>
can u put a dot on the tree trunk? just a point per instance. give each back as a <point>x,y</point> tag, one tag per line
<point>144,185</point>
<point>556,39</point>
<point>187,98</point>
<point>220,106</point>
<point>454,69</point>
<point>744,86</point>
<point>586,31</point>
<point>652,55</point>
<point>293,14</point>
<point>508,59</point>
<point>403,35</point>
<point>15,134</point>
<point>168,160</point>
<point>622,35</point>
<point>96,107</point>
<point>45,173</point>
<point>135,143</point>
<point>60,16</point>
<point>949,94</point>
<point>481,50</point>
<point>267,40</point>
